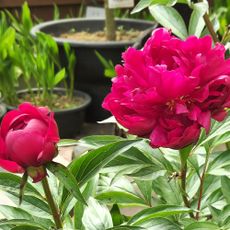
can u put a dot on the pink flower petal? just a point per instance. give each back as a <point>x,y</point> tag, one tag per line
<point>11,166</point>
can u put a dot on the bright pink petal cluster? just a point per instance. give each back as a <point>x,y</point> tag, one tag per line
<point>170,89</point>
<point>28,138</point>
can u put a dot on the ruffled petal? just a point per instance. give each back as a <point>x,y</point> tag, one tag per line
<point>11,166</point>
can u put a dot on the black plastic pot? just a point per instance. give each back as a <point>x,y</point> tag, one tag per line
<point>69,121</point>
<point>89,72</point>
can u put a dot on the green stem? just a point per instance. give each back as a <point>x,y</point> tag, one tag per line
<point>71,85</point>
<point>202,185</point>
<point>183,184</point>
<point>209,25</point>
<point>110,25</point>
<point>53,206</point>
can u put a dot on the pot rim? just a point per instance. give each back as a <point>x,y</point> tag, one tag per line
<point>37,28</point>
<point>87,100</point>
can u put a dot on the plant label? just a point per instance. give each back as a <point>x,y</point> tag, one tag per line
<point>95,12</point>
<point>120,3</point>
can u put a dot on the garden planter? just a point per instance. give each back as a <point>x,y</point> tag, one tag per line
<point>69,121</point>
<point>89,72</point>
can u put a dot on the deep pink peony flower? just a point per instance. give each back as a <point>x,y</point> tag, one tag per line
<point>171,89</point>
<point>28,138</point>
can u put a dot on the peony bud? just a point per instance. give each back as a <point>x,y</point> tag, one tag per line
<point>28,138</point>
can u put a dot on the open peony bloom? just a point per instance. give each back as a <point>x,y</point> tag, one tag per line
<point>171,89</point>
<point>28,138</point>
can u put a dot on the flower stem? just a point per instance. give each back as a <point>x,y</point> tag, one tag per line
<point>53,206</point>
<point>202,186</point>
<point>183,185</point>
<point>209,25</point>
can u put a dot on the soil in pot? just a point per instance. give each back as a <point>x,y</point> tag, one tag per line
<point>88,69</point>
<point>121,35</point>
<point>58,101</point>
<point>69,114</point>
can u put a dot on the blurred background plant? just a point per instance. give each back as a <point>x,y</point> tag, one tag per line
<point>9,73</point>
<point>222,10</point>
<point>32,62</point>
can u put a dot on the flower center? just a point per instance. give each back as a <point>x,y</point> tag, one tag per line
<point>170,104</point>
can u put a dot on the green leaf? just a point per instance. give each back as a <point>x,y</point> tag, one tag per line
<point>67,142</point>
<point>117,190</point>
<point>11,182</point>
<point>184,154</point>
<point>116,215</point>
<point>168,191</point>
<point>103,61</point>
<point>79,208</point>
<point>158,211</point>
<point>225,187</point>
<point>160,224</point>
<point>7,40</point>
<point>25,223</point>
<point>142,4</point>
<point>148,173</point>
<point>26,18</point>
<point>120,197</point>
<point>89,164</point>
<point>184,2</point>
<point>211,191</point>
<point>215,213</point>
<point>133,156</point>
<point>224,217</point>
<point>98,212</point>
<point>169,17</point>
<point>145,187</point>
<point>67,179</point>
<point>36,206</point>
<point>68,222</point>
<point>59,76</point>
<point>196,23</point>
<point>126,227</point>
<point>25,228</point>
<point>10,212</point>
<point>56,13</point>
<point>217,135</point>
<point>96,141</point>
<point>110,73</point>
<point>202,226</point>
<point>8,227</point>
<point>220,165</point>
